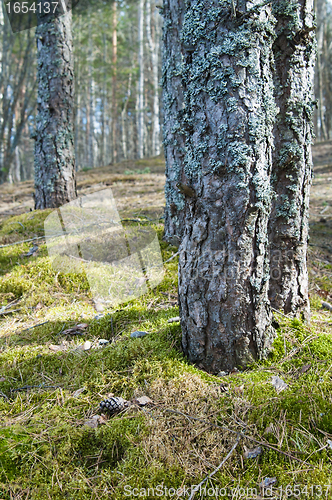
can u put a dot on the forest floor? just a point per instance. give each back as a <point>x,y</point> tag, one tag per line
<point>60,358</point>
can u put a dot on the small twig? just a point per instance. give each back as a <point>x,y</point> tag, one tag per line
<point>324,210</point>
<point>282,314</point>
<point>23,241</point>
<point>40,386</point>
<point>327,305</point>
<point>175,296</point>
<point>215,470</point>
<point>2,313</point>
<point>173,256</point>
<point>133,220</point>
<point>11,304</point>
<point>34,326</point>
<point>4,395</point>
<point>17,222</point>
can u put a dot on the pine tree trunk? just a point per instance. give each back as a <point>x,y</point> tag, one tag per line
<point>173,102</point>
<point>292,163</point>
<point>228,112</point>
<point>104,104</point>
<point>124,119</point>
<point>54,139</point>
<point>91,155</point>
<point>141,80</point>
<point>114,82</point>
<point>153,47</point>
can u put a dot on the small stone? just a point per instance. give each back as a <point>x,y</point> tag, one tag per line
<point>87,345</point>
<point>143,400</point>
<point>222,374</point>
<point>137,334</point>
<point>103,342</point>
<point>253,453</point>
<point>174,320</point>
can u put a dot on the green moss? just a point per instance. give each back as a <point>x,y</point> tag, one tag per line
<point>45,446</point>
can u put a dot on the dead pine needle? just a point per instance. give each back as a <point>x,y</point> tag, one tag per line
<point>229,454</point>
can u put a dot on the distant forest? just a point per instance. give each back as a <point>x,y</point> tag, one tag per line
<point>118,68</point>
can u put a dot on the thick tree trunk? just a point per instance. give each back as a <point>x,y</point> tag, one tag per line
<point>54,147</point>
<point>228,113</point>
<point>292,163</point>
<point>173,108</point>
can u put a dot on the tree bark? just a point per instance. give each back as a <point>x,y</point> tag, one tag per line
<point>54,141</point>
<point>114,82</point>
<point>153,47</point>
<point>141,80</point>
<point>173,111</point>
<point>292,163</point>
<point>228,114</point>
<point>91,108</point>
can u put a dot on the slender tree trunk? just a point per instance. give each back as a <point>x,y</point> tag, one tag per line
<point>320,67</point>
<point>124,119</point>
<point>114,82</point>
<point>292,163</point>
<point>228,112</point>
<point>54,139</point>
<point>91,156</point>
<point>78,100</point>
<point>153,47</point>
<point>141,79</point>
<point>104,104</point>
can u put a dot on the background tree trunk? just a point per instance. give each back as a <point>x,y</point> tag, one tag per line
<point>292,163</point>
<point>114,82</point>
<point>141,79</point>
<point>54,147</point>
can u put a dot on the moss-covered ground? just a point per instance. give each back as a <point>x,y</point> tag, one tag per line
<point>51,446</point>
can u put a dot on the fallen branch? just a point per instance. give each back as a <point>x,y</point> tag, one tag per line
<point>215,470</point>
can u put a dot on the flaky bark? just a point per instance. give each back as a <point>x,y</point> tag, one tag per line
<point>54,147</point>
<point>228,117</point>
<point>174,135</point>
<point>292,165</point>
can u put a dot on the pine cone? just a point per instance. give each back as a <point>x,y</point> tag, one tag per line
<point>113,405</point>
